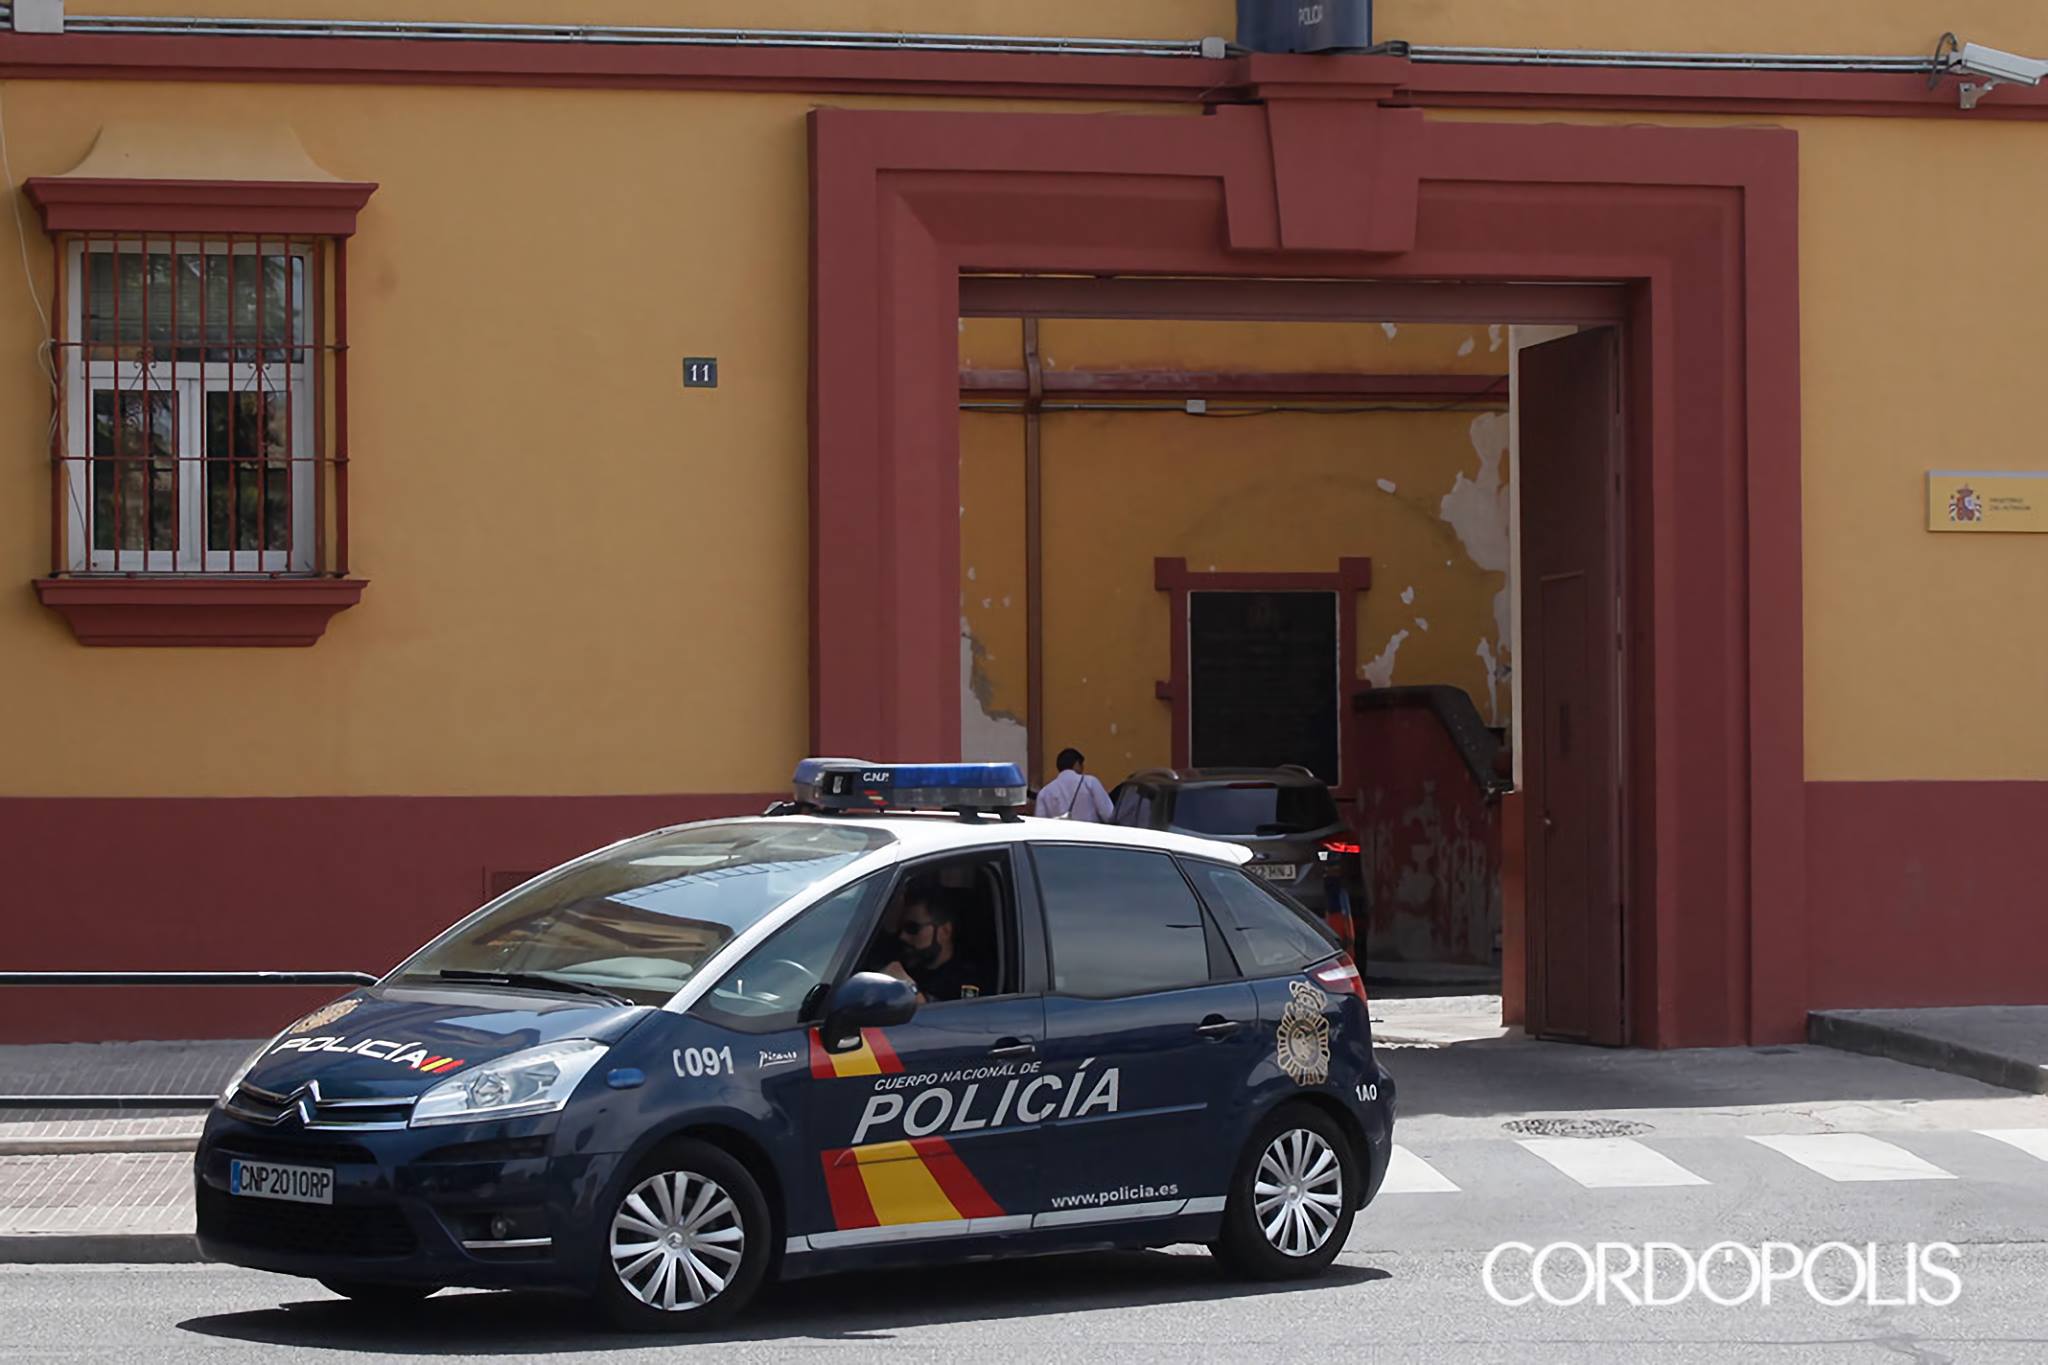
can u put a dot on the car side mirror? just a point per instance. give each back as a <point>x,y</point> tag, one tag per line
<point>866,1000</point>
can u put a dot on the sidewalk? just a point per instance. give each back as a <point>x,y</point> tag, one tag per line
<point>103,1185</point>
<point>1998,1044</point>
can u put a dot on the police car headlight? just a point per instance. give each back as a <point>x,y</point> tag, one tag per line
<point>227,1092</point>
<point>536,1081</point>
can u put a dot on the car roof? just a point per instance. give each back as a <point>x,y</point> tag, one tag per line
<point>1187,777</point>
<point>918,834</point>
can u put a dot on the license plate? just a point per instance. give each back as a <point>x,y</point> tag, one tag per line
<point>268,1180</point>
<point>1275,872</point>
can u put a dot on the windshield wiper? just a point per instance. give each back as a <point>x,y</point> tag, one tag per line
<point>537,980</point>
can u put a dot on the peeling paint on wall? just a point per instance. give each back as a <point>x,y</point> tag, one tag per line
<point>1467,346</point>
<point>1380,672</point>
<point>1390,329</point>
<point>985,732</point>
<point>1408,596</point>
<point>1386,485</point>
<point>1422,621</point>
<point>1477,509</point>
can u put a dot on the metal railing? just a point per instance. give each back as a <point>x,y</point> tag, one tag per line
<point>16,1103</point>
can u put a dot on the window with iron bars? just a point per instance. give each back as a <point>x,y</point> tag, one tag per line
<point>201,429</point>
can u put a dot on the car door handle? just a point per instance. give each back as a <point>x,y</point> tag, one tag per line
<point>1216,1026</point>
<point>1013,1047</point>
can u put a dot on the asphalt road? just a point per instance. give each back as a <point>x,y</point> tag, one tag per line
<point>1862,1151</point>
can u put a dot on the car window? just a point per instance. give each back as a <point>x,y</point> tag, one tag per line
<point>641,917</point>
<point>1271,937</point>
<point>1254,808</point>
<point>1133,805</point>
<point>950,929</point>
<point>768,990</point>
<point>1119,921</point>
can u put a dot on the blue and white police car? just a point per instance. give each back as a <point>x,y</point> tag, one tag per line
<point>888,1022</point>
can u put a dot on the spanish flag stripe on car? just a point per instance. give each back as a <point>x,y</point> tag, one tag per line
<point>874,1057</point>
<point>921,1180</point>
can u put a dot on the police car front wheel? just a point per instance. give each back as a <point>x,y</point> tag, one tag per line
<point>1291,1197</point>
<point>686,1241</point>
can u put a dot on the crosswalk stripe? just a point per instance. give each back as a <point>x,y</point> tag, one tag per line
<point>1408,1173</point>
<point>1611,1163</point>
<point>2032,1141</point>
<point>1853,1156</point>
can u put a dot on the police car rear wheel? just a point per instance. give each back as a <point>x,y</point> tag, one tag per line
<point>687,1241</point>
<point>1291,1199</point>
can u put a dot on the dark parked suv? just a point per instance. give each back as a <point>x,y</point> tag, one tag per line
<point>1285,816</point>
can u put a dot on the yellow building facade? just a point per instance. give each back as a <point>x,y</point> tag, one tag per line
<point>594,598</point>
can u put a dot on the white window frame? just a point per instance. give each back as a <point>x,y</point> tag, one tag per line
<point>190,382</point>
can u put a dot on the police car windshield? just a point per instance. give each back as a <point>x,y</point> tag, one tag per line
<point>638,920</point>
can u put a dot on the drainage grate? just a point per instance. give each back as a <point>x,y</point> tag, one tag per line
<point>1577,1128</point>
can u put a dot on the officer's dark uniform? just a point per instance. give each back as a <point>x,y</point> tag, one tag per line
<point>956,979</point>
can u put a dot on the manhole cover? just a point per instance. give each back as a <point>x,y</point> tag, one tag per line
<point>1577,1128</point>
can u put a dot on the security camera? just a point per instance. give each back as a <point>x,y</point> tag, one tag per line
<point>1975,59</point>
<point>1980,60</point>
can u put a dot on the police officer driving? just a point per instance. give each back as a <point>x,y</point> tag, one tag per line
<point>929,956</point>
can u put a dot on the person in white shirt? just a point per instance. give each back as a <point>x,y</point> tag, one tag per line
<point>1073,795</point>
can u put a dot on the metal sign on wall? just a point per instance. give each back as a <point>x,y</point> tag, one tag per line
<point>1304,25</point>
<point>1960,500</point>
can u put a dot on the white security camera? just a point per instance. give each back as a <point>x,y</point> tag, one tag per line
<point>1974,59</point>
<point>1980,60</point>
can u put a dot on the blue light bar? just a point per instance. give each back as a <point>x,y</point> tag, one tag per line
<point>855,784</point>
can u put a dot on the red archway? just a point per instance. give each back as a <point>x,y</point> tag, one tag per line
<point>1321,181</point>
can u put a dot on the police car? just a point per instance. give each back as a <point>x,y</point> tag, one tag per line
<point>888,1022</point>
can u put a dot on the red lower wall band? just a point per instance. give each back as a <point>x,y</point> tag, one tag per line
<point>306,883</point>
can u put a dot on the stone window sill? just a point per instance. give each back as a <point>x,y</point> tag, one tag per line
<point>221,612</point>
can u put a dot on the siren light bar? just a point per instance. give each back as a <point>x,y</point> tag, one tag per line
<point>855,784</point>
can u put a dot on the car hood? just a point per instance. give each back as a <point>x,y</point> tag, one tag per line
<point>399,1040</point>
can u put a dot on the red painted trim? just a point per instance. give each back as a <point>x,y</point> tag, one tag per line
<point>384,61</point>
<point>1699,225</point>
<point>317,882</point>
<point>992,76</point>
<point>1926,893</point>
<point>1172,576</point>
<point>1269,300</point>
<point>307,208</point>
<point>199,611</point>
<point>1376,388</point>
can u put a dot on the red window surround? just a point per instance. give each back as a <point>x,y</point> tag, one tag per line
<point>199,456</point>
<point>1352,577</point>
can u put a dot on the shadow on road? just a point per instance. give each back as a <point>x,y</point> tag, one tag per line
<point>859,1307</point>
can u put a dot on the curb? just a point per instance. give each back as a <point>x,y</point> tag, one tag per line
<point>97,1248</point>
<point>86,1146</point>
<point>1849,1034</point>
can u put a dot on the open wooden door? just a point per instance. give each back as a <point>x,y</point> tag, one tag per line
<point>1568,395</point>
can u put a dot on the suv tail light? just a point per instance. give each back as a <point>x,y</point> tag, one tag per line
<point>1340,846</point>
<point>1341,977</point>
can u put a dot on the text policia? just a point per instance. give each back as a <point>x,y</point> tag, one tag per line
<point>1034,1097</point>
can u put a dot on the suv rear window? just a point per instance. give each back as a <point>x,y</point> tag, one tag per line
<point>1253,808</point>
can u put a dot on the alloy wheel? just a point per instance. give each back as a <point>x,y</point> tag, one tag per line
<point>1298,1192</point>
<point>677,1240</point>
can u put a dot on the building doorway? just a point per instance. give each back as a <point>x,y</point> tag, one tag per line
<point>1683,238</point>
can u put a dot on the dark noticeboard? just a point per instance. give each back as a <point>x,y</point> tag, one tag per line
<point>1304,25</point>
<point>1262,680</point>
